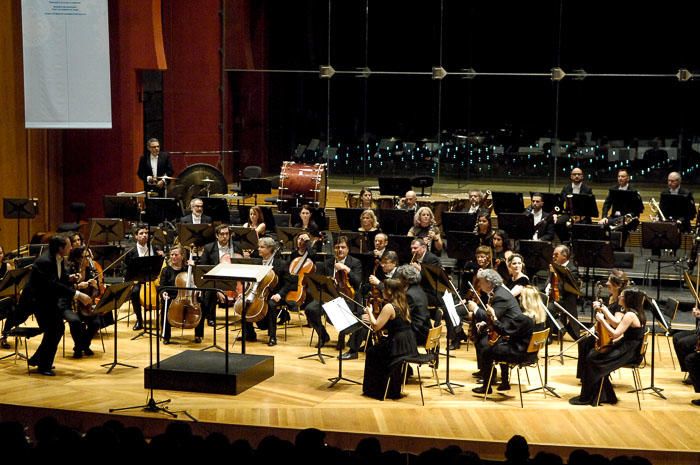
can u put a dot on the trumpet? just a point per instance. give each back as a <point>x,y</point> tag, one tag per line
<point>656,210</point>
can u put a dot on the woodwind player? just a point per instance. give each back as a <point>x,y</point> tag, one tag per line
<point>424,228</point>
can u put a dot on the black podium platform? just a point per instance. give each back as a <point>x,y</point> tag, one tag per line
<point>203,371</point>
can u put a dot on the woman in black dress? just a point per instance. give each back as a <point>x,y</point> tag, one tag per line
<point>384,358</point>
<point>517,279</point>
<point>627,335</point>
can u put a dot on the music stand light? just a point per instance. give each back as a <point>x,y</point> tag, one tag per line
<point>119,206</point>
<point>508,202</point>
<point>517,225</point>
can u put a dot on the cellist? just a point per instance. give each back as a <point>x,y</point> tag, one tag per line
<point>267,250</point>
<point>347,271</point>
<point>179,257</point>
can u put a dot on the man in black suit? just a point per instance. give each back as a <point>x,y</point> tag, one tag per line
<point>543,224</point>
<point>505,307</point>
<point>341,266</point>
<point>417,302</point>
<point>576,186</point>
<point>49,293</point>
<point>153,166</point>
<point>567,297</point>
<point>674,188</point>
<point>197,215</point>
<point>212,254</point>
<point>141,249</point>
<point>618,212</point>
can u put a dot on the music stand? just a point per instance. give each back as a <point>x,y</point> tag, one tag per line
<point>246,237</point>
<point>107,229</point>
<point>592,232</point>
<point>396,221</point>
<point>343,320</point>
<point>517,225</point>
<point>348,218</point>
<point>657,236</point>
<point>119,206</point>
<point>677,207</point>
<point>162,209</point>
<point>14,281</point>
<point>593,254</point>
<point>401,244</point>
<point>655,312</point>
<point>396,187</point>
<point>202,281</point>
<point>625,202</point>
<point>17,209</point>
<point>549,199</point>
<point>195,234</point>
<point>112,299</point>
<point>143,270</point>
<point>217,209</point>
<point>545,386</point>
<point>461,245</point>
<point>355,240</point>
<point>322,289</point>
<point>286,237</point>
<point>537,255</point>
<point>583,205</point>
<point>256,186</point>
<point>458,221</point>
<point>508,202</point>
<point>435,277</point>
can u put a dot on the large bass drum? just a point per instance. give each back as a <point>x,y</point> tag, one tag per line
<point>303,183</point>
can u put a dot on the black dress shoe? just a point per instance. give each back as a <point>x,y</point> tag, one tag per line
<point>138,326</point>
<point>503,387</point>
<point>578,401</point>
<point>284,317</point>
<point>166,341</point>
<point>478,374</point>
<point>77,354</point>
<point>47,372</point>
<point>455,345</point>
<point>197,340</point>
<point>322,340</point>
<point>211,322</point>
<point>32,362</point>
<point>688,380</point>
<point>4,344</point>
<point>349,355</point>
<point>695,402</point>
<point>481,390</point>
<point>88,351</point>
<point>248,338</point>
<point>272,341</point>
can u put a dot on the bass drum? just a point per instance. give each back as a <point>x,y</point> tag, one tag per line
<point>303,182</point>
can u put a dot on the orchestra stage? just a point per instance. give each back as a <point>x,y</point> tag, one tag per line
<point>299,395</point>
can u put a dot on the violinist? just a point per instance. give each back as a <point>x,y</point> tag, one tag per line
<point>384,359</point>
<point>347,271</point>
<point>417,302</point>
<point>222,249</point>
<point>515,332</point>
<point>504,307</point>
<point>543,223</point>
<point>424,228</point>
<point>179,259</point>
<point>256,220</point>
<point>267,251</point>
<point>82,328</point>
<point>142,249</point>
<point>196,215</point>
<point>386,269</point>
<point>616,283</point>
<point>567,299</point>
<point>517,279</point>
<point>627,335</point>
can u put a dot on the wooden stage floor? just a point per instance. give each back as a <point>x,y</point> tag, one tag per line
<point>298,396</point>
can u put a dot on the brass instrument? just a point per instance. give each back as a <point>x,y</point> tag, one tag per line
<point>487,201</point>
<point>621,221</point>
<point>656,210</point>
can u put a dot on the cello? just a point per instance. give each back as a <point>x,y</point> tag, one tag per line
<point>184,311</point>
<point>299,267</point>
<point>255,298</point>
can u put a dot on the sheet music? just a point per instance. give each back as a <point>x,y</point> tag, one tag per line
<point>339,313</point>
<point>660,314</point>
<point>451,309</point>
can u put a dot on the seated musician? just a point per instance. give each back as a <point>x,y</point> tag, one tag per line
<point>692,364</point>
<point>504,305</point>
<point>515,331</point>
<point>384,358</point>
<point>627,335</point>
<point>475,198</point>
<point>685,343</point>
<point>381,240</point>
<point>417,302</point>
<point>567,299</point>
<point>307,223</point>
<point>365,201</point>
<point>82,328</point>
<point>179,259</point>
<point>256,220</point>
<point>219,251</point>
<point>483,259</point>
<point>501,252</point>
<point>517,280</point>
<point>424,228</point>
<point>617,282</point>
<point>386,270</point>
<point>267,250</point>
<point>484,229</point>
<point>141,249</point>
<point>347,270</point>
<point>4,303</point>
<point>543,222</point>
<point>196,215</point>
<point>368,221</point>
<point>409,201</point>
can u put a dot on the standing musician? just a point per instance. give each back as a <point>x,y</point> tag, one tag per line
<point>49,294</point>
<point>417,302</point>
<point>617,282</point>
<point>347,272</point>
<point>674,188</point>
<point>544,226</point>
<point>576,186</point>
<point>567,299</point>
<point>424,228</point>
<point>384,359</point>
<point>196,215</point>
<point>501,305</point>
<point>627,336</point>
<point>142,249</point>
<point>285,282</point>
<point>220,250</point>
<point>409,201</point>
<point>82,328</point>
<point>515,334</point>
<point>178,261</point>
<point>153,166</point>
<point>623,184</point>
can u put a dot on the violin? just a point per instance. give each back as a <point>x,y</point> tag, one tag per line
<point>493,335</point>
<point>554,281</point>
<point>92,273</point>
<point>376,300</point>
<point>184,311</point>
<point>342,280</point>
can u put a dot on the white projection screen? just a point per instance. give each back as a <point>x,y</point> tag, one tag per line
<point>66,64</point>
